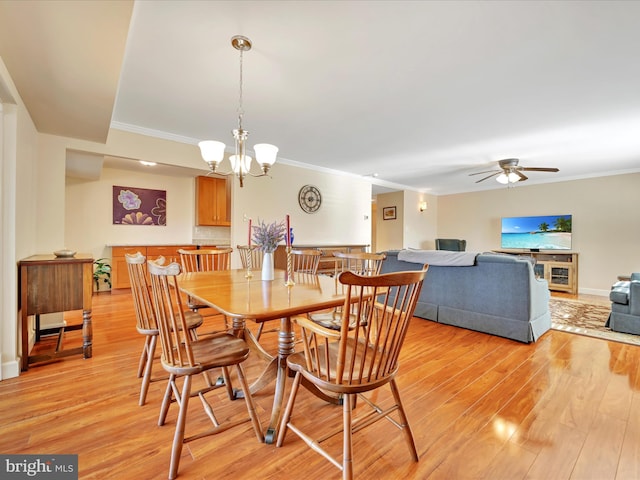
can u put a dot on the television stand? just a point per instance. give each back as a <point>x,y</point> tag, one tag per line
<point>558,267</point>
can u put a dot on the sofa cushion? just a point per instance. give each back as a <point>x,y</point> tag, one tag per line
<point>438,257</point>
<point>527,258</point>
<point>620,293</point>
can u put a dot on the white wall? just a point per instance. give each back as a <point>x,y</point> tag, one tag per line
<point>390,233</point>
<point>89,228</point>
<point>606,221</point>
<point>18,200</point>
<point>420,228</point>
<point>346,201</point>
<point>89,224</point>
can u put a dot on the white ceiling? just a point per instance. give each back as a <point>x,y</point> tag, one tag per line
<point>423,93</point>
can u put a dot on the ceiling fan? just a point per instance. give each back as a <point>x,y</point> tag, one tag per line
<point>510,172</point>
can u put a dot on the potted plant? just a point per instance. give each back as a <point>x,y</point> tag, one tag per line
<point>101,271</point>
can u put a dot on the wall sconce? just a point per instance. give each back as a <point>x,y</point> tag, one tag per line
<point>422,206</point>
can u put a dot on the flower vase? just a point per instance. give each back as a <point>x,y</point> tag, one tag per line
<point>267,266</point>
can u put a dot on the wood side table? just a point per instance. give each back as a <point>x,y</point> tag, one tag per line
<point>50,284</point>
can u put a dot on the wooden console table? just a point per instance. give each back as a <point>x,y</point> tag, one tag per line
<point>49,284</point>
<point>327,261</point>
<point>558,267</point>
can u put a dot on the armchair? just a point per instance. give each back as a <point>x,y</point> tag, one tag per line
<point>625,306</point>
<point>452,244</point>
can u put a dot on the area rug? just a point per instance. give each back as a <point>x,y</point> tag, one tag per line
<point>574,316</point>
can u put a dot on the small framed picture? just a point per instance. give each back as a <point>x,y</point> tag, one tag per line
<point>389,213</point>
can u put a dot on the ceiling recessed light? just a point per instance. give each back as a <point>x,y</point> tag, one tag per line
<point>148,164</point>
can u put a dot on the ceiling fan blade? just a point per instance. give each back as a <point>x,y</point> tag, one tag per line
<point>539,169</point>
<point>522,176</point>
<point>483,179</point>
<point>488,171</point>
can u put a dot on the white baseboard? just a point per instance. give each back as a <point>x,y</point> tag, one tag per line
<point>594,291</point>
<point>10,369</point>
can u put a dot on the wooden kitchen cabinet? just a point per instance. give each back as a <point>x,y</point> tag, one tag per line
<point>213,202</point>
<point>169,252</point>
<point>119,271</point>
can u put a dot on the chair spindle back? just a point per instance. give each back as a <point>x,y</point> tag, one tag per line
<point>169,312</point>
<point>205,260</point>
<point>366,352</point>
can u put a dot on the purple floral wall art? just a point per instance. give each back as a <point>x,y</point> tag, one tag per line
<point>139,206</point>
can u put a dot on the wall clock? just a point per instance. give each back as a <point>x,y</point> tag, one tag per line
<point>309,198</point>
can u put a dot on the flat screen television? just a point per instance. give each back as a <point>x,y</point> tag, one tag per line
<point>545,232</point>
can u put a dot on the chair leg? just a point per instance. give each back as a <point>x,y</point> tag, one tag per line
<point>282,429</point>
<point>347,442</point>
<point>259,331</point>
<point>150,349</point>
<point>257,427</point>
<point>227,383</point>
<point>406,429</point>
<point>143,356</point>
<point>178,437</point>
<point>166,401</point>
<point>193,334</point>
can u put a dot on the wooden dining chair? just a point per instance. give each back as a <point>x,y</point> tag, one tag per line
<point>362,263</point>
<point>356,360</point>
<point>145,319</point>
<point>302,262</point>
<point>305,261</point>
<point>205,260</point>
<point>183,358</point>
<point>252,252</point>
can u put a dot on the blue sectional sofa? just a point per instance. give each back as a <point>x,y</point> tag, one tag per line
<point>492,293</point>
<point>625,306</point>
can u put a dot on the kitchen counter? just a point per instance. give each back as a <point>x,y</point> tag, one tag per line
<point>119,270</point>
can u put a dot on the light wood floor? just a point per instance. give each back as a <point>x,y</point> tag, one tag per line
<point>480,406</point>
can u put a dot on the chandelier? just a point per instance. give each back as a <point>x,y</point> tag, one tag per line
<point>213,151</point>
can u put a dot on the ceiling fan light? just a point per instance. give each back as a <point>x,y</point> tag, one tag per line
<point>502,178</point>
<point>513,177</point>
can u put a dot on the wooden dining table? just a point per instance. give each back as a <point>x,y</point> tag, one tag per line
<point>245,299</point>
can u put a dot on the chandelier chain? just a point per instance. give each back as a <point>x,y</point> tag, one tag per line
<point>240,108</point>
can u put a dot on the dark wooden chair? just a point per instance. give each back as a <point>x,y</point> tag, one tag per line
<point>145,319</point>
<point>183,358</point>
<point>356,360</point>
